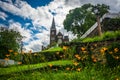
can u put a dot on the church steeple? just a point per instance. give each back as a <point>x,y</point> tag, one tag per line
<point>56,38</point>
<point>53,32</point>
<point>53,24</point>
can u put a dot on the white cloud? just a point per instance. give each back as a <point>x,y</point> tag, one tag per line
<point>41,16</point>
<point>27,24</point>
<point>3,15</point>
<point>18,27</point>
<point>34,46</point>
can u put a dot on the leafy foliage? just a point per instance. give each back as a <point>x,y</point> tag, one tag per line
<point>9,40</point>
<point>111,24</point>
<point>51,54</point>
<point>79,20</point>
<point>113,55</point>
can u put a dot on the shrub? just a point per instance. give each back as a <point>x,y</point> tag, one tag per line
<point>113,55</point>
<point>43,56</point>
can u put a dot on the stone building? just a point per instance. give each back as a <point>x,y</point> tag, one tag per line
<point>56,37</point>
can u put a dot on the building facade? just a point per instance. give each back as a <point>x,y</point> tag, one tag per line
<point>56,37</point>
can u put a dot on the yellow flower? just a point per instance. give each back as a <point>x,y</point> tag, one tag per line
<point>7,55</point>
<point>95,45</point>
<point>15,53</point>
<point>61,56</point>
<point>116,50</point>
<point>116,57</point>
<point>75,63</point>
<point>10,51</point>
<point>92,56</point>
<point>105,48</point>
<point>76,55</point>
<point>6,59</point>
<point>50,65</point>
<point>110,52</point>
<point>83,49</point>
<point>91,48</point>
<point>19,62</point>
<point>78,58</point>
<point>57,53</point>
<point>68,68</point>
<point>116,79</point>
<point>65,47</point>
<point>78,69</point>
<point>94,60</point>
<point>85,52</point>
<point>35,54</point>
<point>102,51</point>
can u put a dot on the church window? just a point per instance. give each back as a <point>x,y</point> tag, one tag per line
<point>59,41</point>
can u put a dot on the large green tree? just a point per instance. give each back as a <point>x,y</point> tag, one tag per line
<point>9,40</point>
<point>79,20</point>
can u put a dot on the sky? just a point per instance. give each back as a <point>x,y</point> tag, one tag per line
<point>33,18</point>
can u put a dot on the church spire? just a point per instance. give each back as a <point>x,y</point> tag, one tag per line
<point>53,24</point>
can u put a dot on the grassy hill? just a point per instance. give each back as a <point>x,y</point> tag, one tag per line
<point>81,59</point>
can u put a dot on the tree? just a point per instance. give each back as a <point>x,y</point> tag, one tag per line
<point>79,20</point>
<point>111,24</point>
<point>9,40</point>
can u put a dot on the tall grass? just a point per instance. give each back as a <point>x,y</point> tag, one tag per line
<point>105,36</point>
<point>88,73</point>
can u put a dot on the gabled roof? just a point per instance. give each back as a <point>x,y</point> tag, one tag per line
<point>59,34</point>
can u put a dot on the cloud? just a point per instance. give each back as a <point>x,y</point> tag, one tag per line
<point>73,3</point>
<point>114,5</point>
<point>3,15</point>
<point>18,27</point>
<point>34,46</point>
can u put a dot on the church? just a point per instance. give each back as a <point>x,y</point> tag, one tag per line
<point>57,37</point>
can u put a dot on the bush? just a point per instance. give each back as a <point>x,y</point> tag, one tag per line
<point>113,55</point>
<point>43,56</point>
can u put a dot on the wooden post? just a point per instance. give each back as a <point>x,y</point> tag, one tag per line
<point>99,26</point>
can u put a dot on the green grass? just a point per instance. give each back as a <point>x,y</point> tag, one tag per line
<point>105,36</point>
<point>55,49</point>
<point>13,69</point>
<point>88,73</point>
